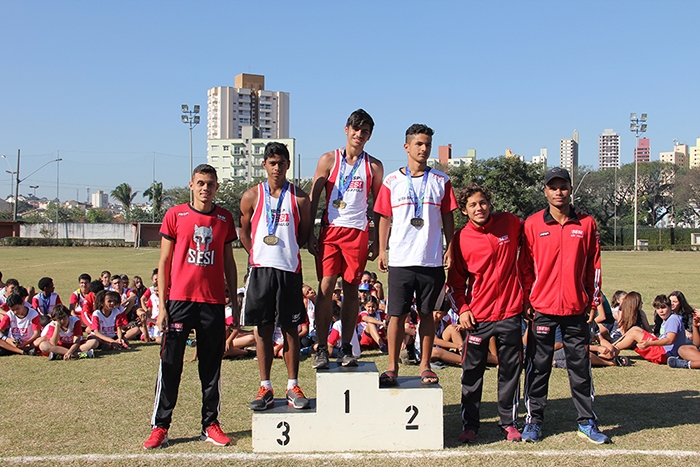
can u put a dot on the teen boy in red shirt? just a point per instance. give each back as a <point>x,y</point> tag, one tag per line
<point>196,263</point>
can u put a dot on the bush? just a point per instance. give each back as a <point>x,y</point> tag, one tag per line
<point>23,241</point>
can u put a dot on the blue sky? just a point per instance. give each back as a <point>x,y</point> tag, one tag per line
<point>102,82</point>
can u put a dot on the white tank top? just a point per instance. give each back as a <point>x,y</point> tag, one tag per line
<point>283,255</point>
<point>354,213</point>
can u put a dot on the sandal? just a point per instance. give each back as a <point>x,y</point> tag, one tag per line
<point>388,379</point>
<point>429,377</point>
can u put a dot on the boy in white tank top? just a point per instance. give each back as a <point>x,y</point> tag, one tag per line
<point>275,221</point>
<point>348,176</point>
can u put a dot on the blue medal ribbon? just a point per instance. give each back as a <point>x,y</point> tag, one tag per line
<point>344,181</point>
<point>273,218</point>
<point>417,200</point>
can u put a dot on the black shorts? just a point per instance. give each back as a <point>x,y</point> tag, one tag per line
<point>273,296</point>
<point>425,282</point>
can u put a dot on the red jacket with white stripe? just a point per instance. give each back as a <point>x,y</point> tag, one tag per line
<point>560,264</point>
<point>484,274</point>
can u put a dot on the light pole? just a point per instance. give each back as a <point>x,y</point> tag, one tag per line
<point>637,126</point>
<point>573,197</point>
<point>191,119</point>
<point>12,183</point>
<point>34,187</point>
<point>20,180</point>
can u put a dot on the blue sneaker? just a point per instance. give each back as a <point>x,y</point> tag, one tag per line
<point>591,432</point>
<point>531,432</point>
<point>678,362</point>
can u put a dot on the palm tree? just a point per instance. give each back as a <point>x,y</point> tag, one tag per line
<point>154,193</point>
<point>123,194</point>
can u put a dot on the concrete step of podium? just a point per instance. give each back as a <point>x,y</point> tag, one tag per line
<point>351,413</point>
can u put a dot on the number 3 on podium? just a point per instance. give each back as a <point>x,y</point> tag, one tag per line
<point>285,433</point>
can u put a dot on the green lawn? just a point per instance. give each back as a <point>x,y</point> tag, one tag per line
<point>103,406</point>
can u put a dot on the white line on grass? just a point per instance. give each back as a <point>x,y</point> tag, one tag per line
<point>340,456</point>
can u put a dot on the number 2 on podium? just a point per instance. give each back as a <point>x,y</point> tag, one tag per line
<point>409,425</point>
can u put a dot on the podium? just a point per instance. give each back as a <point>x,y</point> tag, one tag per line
<point>352,413</point>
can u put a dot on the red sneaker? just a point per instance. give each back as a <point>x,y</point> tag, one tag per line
<point>158,439</point>
<point>512,434</point>
<point>215,435</point>
<point>467,436</point>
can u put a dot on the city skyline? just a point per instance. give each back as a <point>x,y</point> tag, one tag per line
<point>103,83</point>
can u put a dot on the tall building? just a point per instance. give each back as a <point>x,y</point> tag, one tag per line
<point>568,153</point>
<point>694,156</point>
<point>444,154</point>
<point>240,159</point>
<point>247,103</point>
<point>678,156</point>
<point>100,199</point>
<point>642,153</point>
<point>541,159</point>
<point>608,149</point>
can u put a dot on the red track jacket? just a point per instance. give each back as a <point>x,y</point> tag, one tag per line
<point>487,258</point>
<point>560,264</point>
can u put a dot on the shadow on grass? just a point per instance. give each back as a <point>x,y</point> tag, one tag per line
<point>235,436</point>
<point>625,413</point>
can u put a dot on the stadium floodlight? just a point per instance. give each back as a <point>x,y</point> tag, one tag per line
<point>190,119</point>
<point>637,127</point>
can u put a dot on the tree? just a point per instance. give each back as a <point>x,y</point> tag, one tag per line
<point>687,197</point>
<point>99,216</point>
<point>154,193</point>
<point>515,185</point>
<point>176,195</point>
<point>124,195</point>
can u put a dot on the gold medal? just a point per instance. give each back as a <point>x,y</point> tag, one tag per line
<point>339,204</point>
<point>417,222</point>
<point>270,239</point>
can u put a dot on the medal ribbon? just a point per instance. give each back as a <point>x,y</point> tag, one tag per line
<point>417,200</point>
<point>344,181</point>
<point>272,218</point>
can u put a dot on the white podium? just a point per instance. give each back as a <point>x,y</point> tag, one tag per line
<point>352,413</point>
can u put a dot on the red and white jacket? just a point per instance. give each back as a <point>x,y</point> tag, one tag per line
<point>560,264</point>
<point>484,276</point>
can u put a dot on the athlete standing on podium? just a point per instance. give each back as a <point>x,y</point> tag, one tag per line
<point>348,175</point>
<point>275,221</point>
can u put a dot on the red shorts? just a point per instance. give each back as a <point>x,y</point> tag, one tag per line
<point>342,251</point>
<point>654,353</point>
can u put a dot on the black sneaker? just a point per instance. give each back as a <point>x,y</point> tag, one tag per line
<point>346,357</point>
<point>264,399</point>
<point>321,359</point>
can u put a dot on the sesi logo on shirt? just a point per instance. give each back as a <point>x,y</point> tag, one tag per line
<point>201,256</point>
<point>542,330</point>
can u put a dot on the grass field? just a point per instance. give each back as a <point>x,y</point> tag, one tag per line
<point>102,406</point>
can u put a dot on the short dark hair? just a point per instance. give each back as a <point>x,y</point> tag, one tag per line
<point>359,118</point>
<point>14,282</point>
<point>96,286</point>
<point>105,272</point>
<point>21,291</point>
<point>115,277</point>
<point>44,282</point>
<point>59,310</point>
<point>465,193</point>
<point>418,129</point>
<point>84,277</point>
<point>276,148</point>
<point>371,298</point>
<point>14,299</point>
<point>661,301</point>
<point>204,169</point>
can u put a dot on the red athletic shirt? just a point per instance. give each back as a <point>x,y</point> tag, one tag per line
<point>560,264</point>
<point>197,271</point>
<point>484,275</point>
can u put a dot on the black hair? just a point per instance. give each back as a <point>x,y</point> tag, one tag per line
<point>276,148</point>
<point>14,299</point>
<point>14,282</point>
<point>105,272</point>
<point>155,272</point>
<point>470,190</point>
<point>371,298</point>
<point>96,286</point>
<point>204,169</point>
<point>44,282</point>
<point>115,277</point>
<point>418,129</point>
<point>84,277</point>
<point>21,291</point>
<point>359,118</point>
